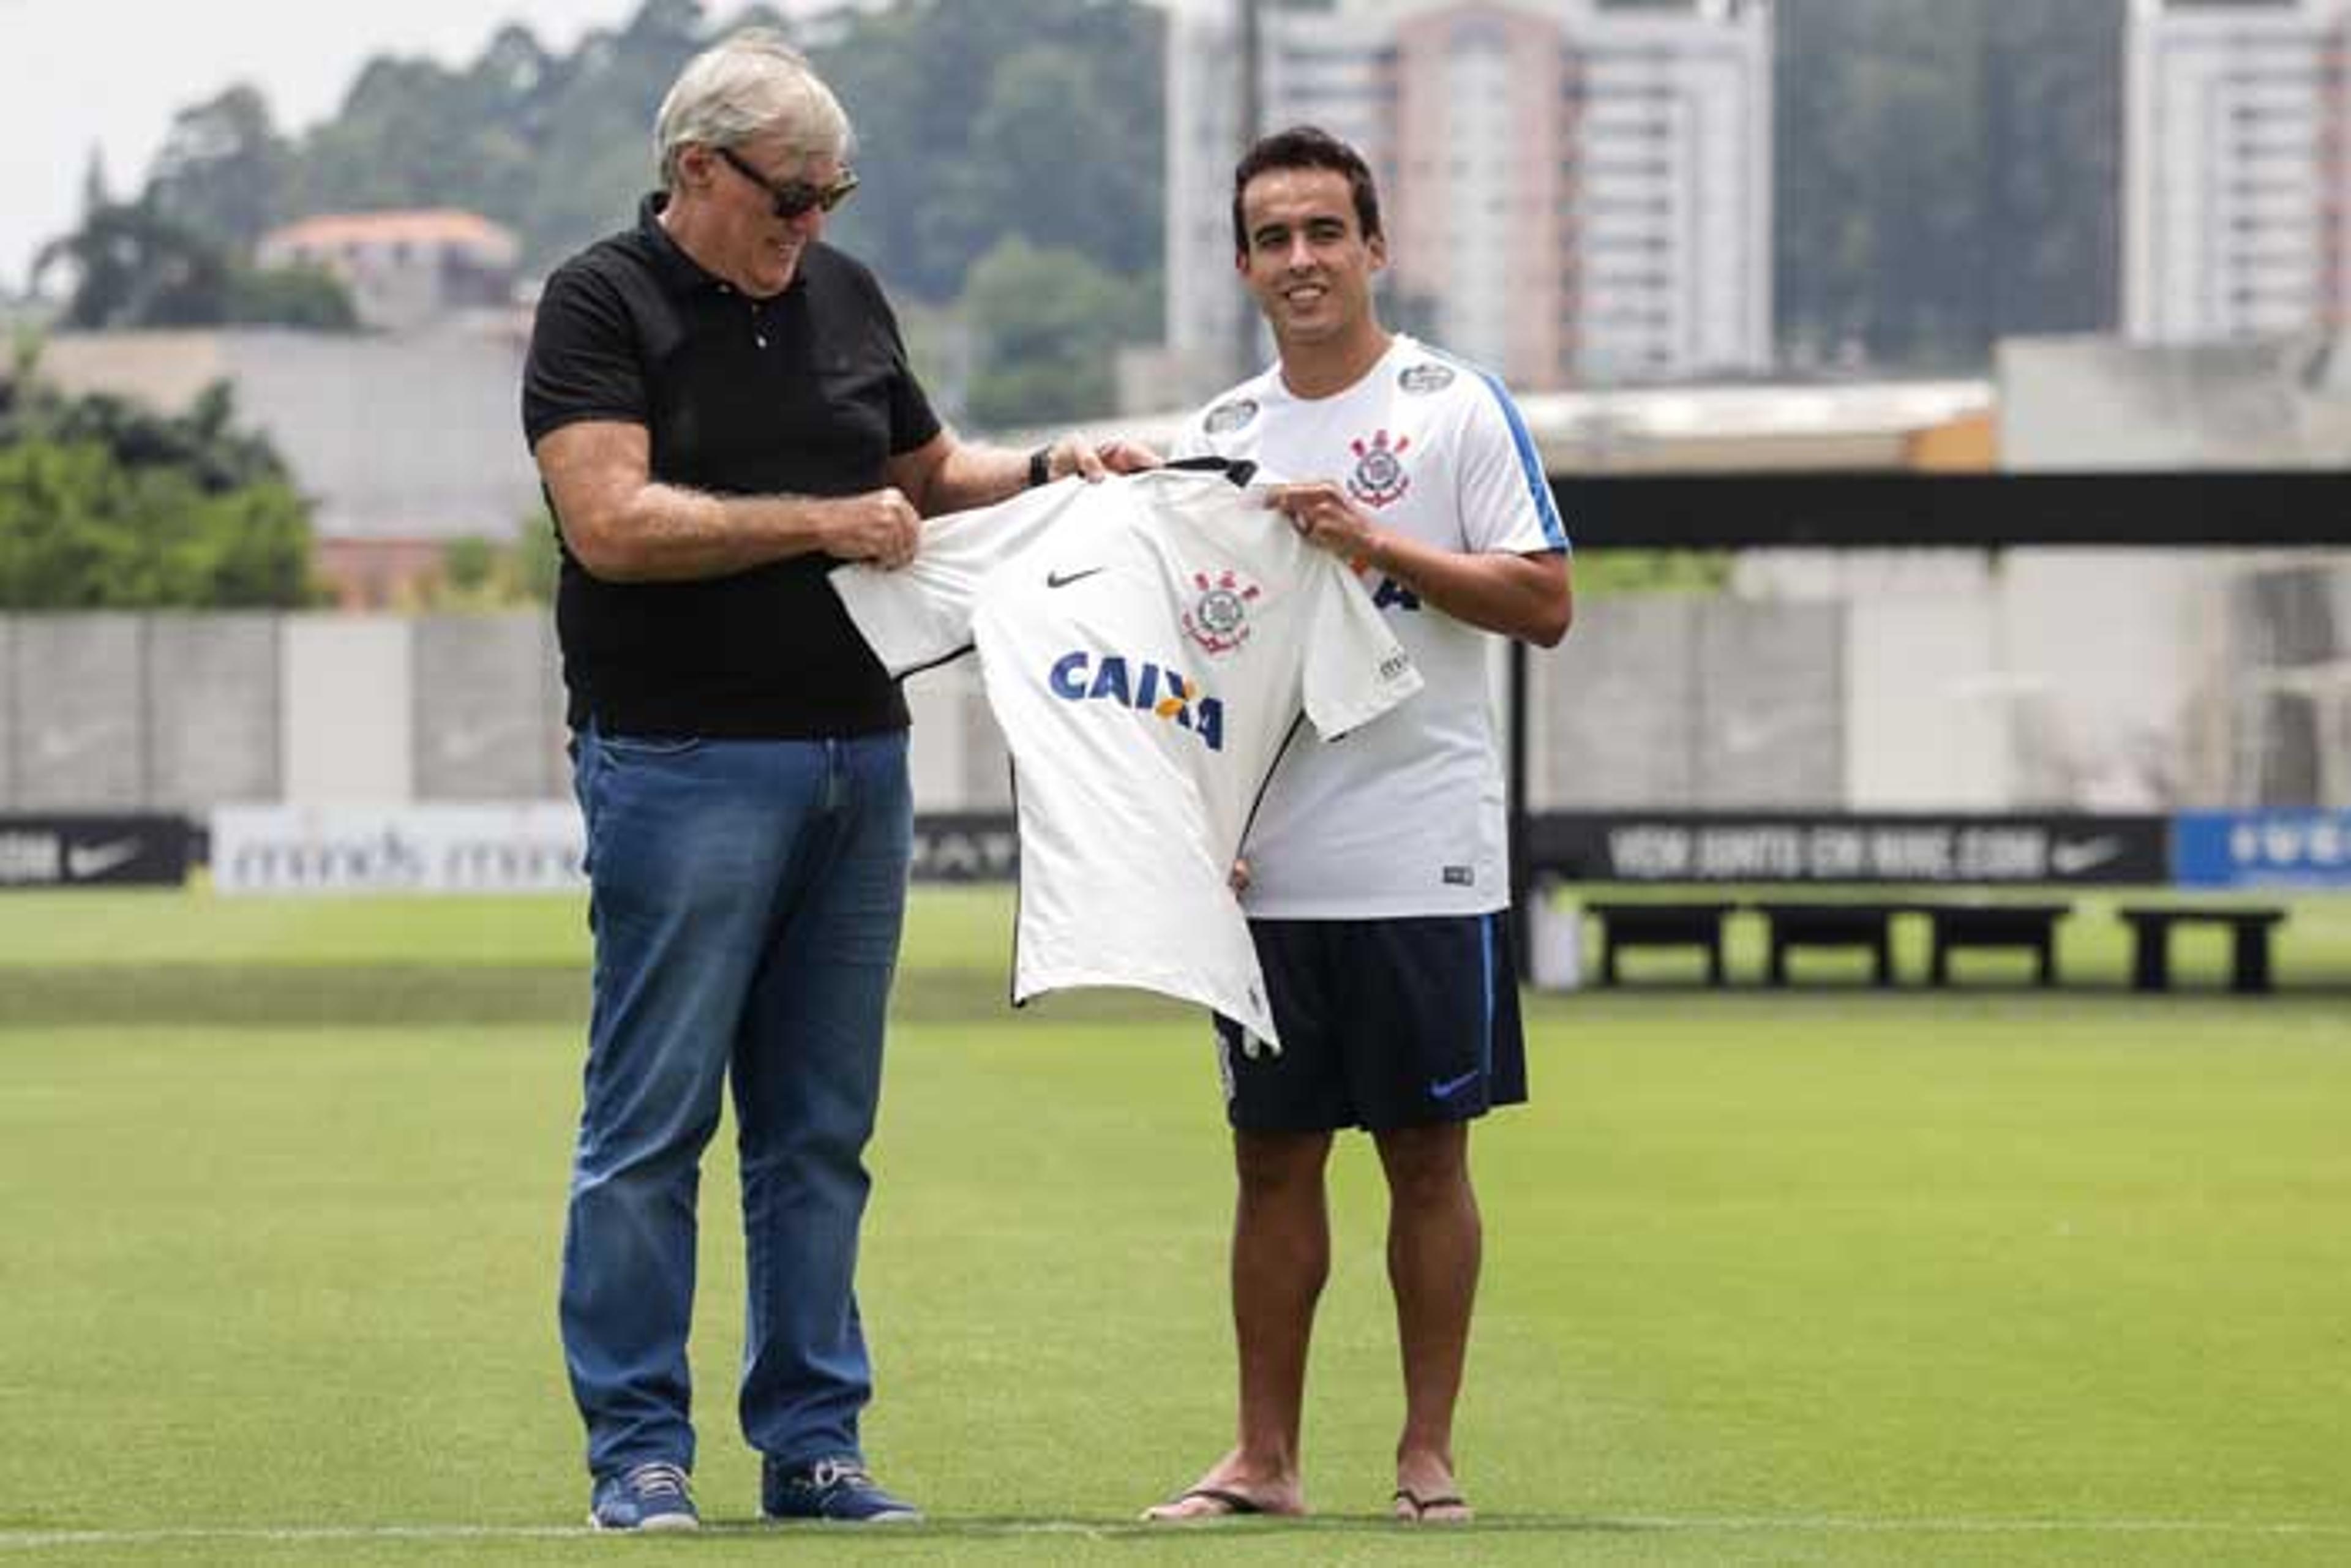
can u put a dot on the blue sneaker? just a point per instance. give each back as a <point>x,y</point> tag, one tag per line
<point>835,1490</point>
<point>648,1496</point>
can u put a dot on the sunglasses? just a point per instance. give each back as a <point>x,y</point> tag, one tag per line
<point>794,198</point>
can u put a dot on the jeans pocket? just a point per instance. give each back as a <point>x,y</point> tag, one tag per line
<point>614,770</point>
<point>647,747</point>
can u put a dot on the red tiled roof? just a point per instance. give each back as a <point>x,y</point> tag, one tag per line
<point>438,225</point>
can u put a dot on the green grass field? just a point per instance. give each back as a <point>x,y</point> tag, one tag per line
<point>1829,1277</point>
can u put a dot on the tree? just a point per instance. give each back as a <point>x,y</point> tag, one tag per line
<point>479,574</point>
<point>223,171</point>
<point>976,121</point>
<point>407,136</point>
<point>1047,325</point>
<point>80,530</point>
<point>2055,124</point>
<point>1053,110</point>
<point>105,505</point>
<point>1037,119</point>
<point>1946,172</point>
<point>586,126</point>
<point>299,296</point>
<point>133,266</point>
<point>204,442</point>
<point>93,183</point>
<point>1041,102</point>
<point>174,257</point>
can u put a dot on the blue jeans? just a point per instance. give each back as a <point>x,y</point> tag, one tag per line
<point>745,897</point>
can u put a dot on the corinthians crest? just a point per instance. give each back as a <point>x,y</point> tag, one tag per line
<point>1379,478</point>
<point>1218,619</point>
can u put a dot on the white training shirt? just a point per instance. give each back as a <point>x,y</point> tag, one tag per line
<point>1149,644</point>
<point>1409,817</point>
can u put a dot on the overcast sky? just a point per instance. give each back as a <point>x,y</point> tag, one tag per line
<point>110,74</point>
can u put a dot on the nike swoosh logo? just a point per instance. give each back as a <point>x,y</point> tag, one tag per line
<point>1452,1086</point>
<point>2071,860</point>
<point>1063,579</point>
<point>84,862</point>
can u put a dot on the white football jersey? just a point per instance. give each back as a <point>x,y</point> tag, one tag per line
<point>1149,645</point>
<point>1409,817</point>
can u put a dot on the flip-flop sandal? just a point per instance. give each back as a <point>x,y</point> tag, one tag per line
<point>1229,1505</point>
<point>1413,1509</point>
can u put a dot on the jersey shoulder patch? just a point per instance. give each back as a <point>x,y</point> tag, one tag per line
<point>1232,414</point>
<point>1423,376</point>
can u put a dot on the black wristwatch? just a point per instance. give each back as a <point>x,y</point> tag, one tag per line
<point>1040,466</point>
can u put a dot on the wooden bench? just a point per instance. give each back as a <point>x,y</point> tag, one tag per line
<point>1865,925</point>
<point>1660,924</point>
<point>2033,926</point>
<point>2249,930</point>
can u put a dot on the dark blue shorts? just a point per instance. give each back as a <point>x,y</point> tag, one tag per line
<point>1384,1023</point>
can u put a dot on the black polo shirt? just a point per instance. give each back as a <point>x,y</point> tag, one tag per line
<point>807,393</point>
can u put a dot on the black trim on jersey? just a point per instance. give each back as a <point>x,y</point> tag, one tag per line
<point>1020,874</point>
<point>1020,878</point>
<point>1271,767</point>
<point>1240,470</point>
<point>947,658</point>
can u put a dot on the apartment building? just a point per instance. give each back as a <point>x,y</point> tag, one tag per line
<point>1576,192</point>
<point>2237,165</point>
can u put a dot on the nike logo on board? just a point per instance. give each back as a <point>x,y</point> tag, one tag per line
<point>84,862</point>
<point>2071,859</point>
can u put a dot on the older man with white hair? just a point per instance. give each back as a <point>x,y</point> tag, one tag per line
<point>721,408</point>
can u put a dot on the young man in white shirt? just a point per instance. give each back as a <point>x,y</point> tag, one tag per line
<point>1378,881</point>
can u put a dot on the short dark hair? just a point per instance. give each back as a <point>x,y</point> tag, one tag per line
<point>1306,147</point>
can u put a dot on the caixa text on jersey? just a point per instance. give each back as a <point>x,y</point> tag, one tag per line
<point>1145,686</point>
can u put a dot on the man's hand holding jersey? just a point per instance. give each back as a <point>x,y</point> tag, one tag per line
<point>1525,596</point>
<point>1097,460</point>
<point>879,526</point>
<point>1321,513</point>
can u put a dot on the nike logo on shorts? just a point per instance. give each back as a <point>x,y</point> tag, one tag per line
<point>1063,579</point>
<point>1452,1086</point>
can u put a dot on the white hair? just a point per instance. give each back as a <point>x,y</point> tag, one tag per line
<point>751,83</point>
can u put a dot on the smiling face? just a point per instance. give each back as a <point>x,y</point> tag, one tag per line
<point>726,219</point>
<point>1309,266</point>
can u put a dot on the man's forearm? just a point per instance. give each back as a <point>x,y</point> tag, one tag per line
<point>975,475</point>
<point>668,533</point>
<point>1526,597</point>
<point>1531,596</point>
<point>948,475</point>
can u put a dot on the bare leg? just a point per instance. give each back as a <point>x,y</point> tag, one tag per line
<point>1435,1241</point>
<point>1282,1255</point>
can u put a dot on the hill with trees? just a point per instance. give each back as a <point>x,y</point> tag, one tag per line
<point>1018,137</point>
<point>1946,171</point>
<point>106,506</point>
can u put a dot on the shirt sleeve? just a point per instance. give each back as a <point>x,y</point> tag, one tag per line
<point>1505,497</point>
<point>584,362</point>
<point>913,421</point>
<point>921,614</point>
<point>1356,668</point>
